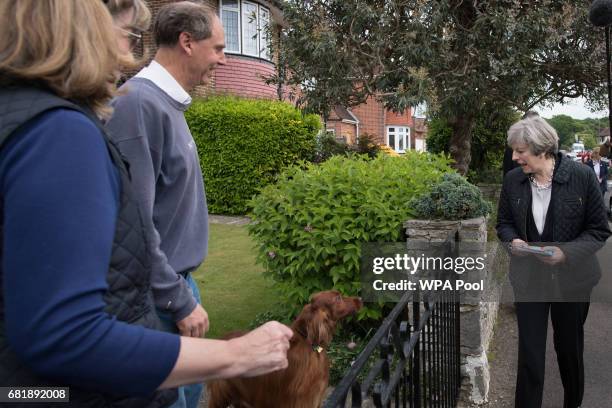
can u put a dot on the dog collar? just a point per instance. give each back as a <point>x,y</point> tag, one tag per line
<point>315,347</point>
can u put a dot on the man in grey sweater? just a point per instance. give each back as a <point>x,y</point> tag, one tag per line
<point>149,127</point>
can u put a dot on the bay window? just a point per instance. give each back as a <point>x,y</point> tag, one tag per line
<point>246,28</point>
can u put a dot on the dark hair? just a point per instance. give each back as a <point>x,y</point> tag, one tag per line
<point>176,18</point>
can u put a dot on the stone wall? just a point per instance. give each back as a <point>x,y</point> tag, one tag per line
<point>478,312</point>
<point>490,191</point>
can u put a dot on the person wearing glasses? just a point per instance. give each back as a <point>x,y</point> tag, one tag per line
<point>76,307</point>
<point>131,18</point>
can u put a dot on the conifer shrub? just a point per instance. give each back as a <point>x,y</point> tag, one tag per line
<point>454,198</point>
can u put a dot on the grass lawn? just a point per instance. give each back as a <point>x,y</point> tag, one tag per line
<point>232,287</point>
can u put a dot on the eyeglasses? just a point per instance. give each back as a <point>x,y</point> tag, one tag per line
<point>135,38</point>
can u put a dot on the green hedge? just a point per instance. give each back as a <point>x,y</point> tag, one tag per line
<point>311,224</point>
<point>244,144</point>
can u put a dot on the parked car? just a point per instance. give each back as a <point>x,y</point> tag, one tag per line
<point>578,147</point>
<point>578,152</point>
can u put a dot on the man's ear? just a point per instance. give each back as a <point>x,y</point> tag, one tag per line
<point>185,41</point>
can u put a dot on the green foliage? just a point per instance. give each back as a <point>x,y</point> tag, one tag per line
<point>310,225</point>
<point>328,146</point>
<point>456,55</point>
<point>340,355</point>
<point>488,141</point>
<point>365,145</point>
<point>569,128</point>
<point>438,136</point>
<point>454,198</point>
<point>588,140</point>
<point>244,144</point>
<point>566,128</point>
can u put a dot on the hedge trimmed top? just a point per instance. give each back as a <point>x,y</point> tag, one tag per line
<point>244,144</point>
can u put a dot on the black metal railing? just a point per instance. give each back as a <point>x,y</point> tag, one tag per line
<point>418,364</point>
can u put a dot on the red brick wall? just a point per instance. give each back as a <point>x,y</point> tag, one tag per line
<point>347,131</point>
<point>243,76</point>
<point>398,119</point>
<point>371,116</point>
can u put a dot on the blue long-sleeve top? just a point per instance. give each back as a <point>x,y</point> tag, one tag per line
<point>60,194</point>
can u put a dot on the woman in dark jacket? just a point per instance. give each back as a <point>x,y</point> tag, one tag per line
<point>557,203</point>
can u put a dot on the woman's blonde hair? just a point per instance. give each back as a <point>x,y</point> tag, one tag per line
<point>68,46</point>
<point>141,20</point>
<point>142,16</point>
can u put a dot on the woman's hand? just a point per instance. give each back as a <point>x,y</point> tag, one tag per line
<point>517,243</point>
<point>258,352</point>
<point>557,257</point>
<point>262,350</point>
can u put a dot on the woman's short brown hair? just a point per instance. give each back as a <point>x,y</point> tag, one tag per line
<point>68,46</point>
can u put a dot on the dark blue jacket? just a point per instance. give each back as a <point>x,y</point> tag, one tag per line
<point>603,174</point>
<point>74,265</point>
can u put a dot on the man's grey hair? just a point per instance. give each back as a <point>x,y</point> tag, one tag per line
<point>185,16</point>
<point>536,133</point>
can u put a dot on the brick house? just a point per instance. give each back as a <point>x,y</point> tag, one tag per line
<point>248,61</point>
<point>400,131</point>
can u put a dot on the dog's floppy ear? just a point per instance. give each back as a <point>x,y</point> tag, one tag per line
<point>320,326</point>
<point>316,324</point>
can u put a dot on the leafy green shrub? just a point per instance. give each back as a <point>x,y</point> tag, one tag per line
<point>454,198</point>
<point>244,144</point>
<point>365,145</point>
<point>310,225</point>
<point>328,146</point>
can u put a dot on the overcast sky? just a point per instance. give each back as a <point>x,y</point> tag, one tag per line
<point>576,109</point>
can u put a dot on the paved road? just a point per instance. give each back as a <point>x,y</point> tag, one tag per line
<point>597,354</point>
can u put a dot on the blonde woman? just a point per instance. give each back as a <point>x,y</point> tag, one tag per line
<point>75,304</point>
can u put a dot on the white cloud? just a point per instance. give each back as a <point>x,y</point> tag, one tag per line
<point>577,109</point>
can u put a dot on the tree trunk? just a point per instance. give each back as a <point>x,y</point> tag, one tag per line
<point>461,142</point>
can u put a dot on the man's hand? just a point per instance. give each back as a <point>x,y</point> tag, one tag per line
<point>262,350</point>
<point>194,325</point>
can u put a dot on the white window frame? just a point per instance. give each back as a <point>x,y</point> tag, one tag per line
<point>261,48</point>
<point>392,129</point>
<point>234,10</point>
